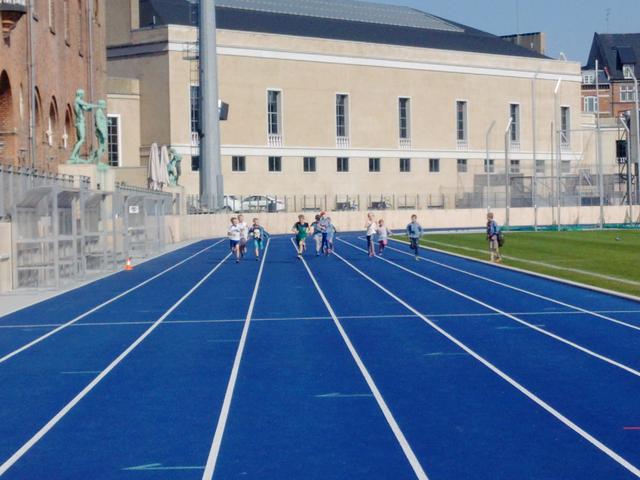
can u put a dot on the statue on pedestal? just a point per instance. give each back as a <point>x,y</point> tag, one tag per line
<point>175,168</point>
<point>101,131</point>
<point>79,107</point>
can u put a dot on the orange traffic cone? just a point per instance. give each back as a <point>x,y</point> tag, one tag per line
<point>129,265</point>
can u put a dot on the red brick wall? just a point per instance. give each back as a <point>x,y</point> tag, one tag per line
<point>61,65</point>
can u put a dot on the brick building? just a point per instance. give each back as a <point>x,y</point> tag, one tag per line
<point>50,48</point>
<point>618,56</point>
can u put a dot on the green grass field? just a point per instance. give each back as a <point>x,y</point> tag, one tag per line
<point>608,259</point>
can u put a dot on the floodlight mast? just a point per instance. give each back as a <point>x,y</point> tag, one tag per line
<point>211,183</point>
<point>635,80</point>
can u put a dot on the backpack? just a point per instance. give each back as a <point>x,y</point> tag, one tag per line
<point>501,239</point>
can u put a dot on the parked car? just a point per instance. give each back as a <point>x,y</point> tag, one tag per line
<point>262,203</point>
<point>232,203</point>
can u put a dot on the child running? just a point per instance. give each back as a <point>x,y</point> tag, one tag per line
<point>234,233</point>
<point>493,231</point>
<point>244,235</point>
<point>317,234</point>
<point>259,236</point>
<point>324,223</point>
<point>301,228</point>
<point>414,232</point>
<point>371,227</point>
<point>331,233</point>
<point>383,236</point>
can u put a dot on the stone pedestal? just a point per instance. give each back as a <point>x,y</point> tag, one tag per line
<point>182,197</point>
<point>101,177</point>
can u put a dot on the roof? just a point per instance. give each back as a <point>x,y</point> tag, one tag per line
<point>613,50</point>
<point>349,20</point>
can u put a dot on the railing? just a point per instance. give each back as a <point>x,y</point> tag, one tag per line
<point>274,140</point>
<point>462,145</point>
<point>405,143</point>
<point>13,3</point>
<point>195,139</point>
<point>514,146</point>
<point>342,142</point>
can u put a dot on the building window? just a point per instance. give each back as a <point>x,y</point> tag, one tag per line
<point>374,165</point>
<point>515,166</point>
<point>342,115</point>
<point>461,121</point>
<point>194,98</point>
<point>565,167</point>
<point>434,165</point>
<point>514,111</point>
<point>274,106</point>
<point>565,126</point>
<point>309,164</point>
<point>65,15</point>
<point>52,16</point>
<point>405,165</point>
<point>80,28</point>
<point>540,167</point>
<point>343,164</point>
<point>628,71</point>
<point>491,168</point>
<point>627,93</point>
<point>588,78</point>
<point>591,104</point>
<point>275,164</point>
<point>195,163</point>
<point>404,105</point>
<point>238,164</point>
<point>113,140</point>
<point>463,167</point>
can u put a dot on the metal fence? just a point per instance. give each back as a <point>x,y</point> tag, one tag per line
<point>62,230</point>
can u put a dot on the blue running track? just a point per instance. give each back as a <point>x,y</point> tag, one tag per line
<point>339,367</point>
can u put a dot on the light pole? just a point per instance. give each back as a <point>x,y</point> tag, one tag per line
<point>622,120</point>
<point>534,187</point>
<point>635,80</point>
<point>599,148</point>
<point>487,165</point>
<point>507,171</point>
<point>558,126</point>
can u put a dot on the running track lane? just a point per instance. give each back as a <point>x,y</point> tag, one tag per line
<point>41,380</point>
<point>301,408</point>
<point>463,420</point>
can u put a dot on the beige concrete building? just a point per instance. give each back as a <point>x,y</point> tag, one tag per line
<point>335,98</point>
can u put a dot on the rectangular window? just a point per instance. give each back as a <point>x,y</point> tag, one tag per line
<point>65,15</point>
<point>274,106</point>
<point>491,168</point>
<point>309,164</point>
<point>343,164</point>
<point>434,165</point>
<point>195,108</point>
<point>514,111</point>
<point>374,164</point>
<point>342,115</point>
<point>404,105</point>
<point>628,71</point>
<point>275,164</point>
<point>462,165</point>
<point>405,165</point>
<point>238,164</point>
<point>565,167</point>
<point>588,78</point>
<point>565,126</point>
<point>113,140</point>
<point>627,93</point>
<point>540,167</point>
<point>515,166</point>
<point>461,121</point>
<point>52,16</point>
<point>591,104</point>
<point>195,163</point>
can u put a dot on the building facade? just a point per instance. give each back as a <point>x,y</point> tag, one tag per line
<point>336,98</point>
<point>49,49</point>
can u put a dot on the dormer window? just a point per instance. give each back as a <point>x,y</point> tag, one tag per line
<point>588,78</point>
<point>628,71</point>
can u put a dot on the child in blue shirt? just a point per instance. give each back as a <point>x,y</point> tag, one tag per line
<point>493,232</point>
<point>414,232</point>
<point>259,236</point>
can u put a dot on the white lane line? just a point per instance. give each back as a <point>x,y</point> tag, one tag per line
<point>83,393</point>
<point>395,428</point>
<point>527,292</point>
<point>95,309</point>
<point>566,421</point>
<point>603,358</point>
<point>212,459</point>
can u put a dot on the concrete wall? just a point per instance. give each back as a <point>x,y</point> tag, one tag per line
<point>123,99</point>
<point>5,257</point>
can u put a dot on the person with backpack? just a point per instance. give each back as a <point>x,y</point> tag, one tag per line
<point>493,237</point>
<point>414,232</point>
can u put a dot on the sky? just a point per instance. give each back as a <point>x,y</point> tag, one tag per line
<point>569,24</point>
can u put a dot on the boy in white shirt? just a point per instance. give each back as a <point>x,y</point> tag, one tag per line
<point>372,228</point>
<point>244,235</point>
<point>235,234</point>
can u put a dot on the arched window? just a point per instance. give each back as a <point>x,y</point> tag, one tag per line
<point>7,122</point>
<point>38,116</point>
<point>81,28</point>
<point>52,123</point>
<point>52,15</point>
<point>68,132</point>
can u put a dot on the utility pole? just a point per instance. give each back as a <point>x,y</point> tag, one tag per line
<point>599,148</point>
<point>211,184</point>
<point>488,165</point>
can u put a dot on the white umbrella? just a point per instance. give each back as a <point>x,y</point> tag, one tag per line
<point>164,167</point>
<point>152,168</point>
